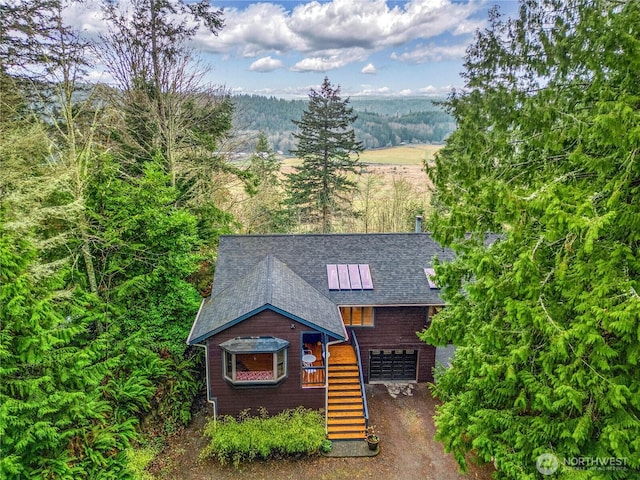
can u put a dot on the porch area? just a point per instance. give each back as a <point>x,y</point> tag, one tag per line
<point>313,365</point>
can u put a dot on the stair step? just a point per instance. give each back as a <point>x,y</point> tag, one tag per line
<point>344,386</point>
<point>337,408</point>
<point>349,421</point>
<point>346,422</point>
<point>347,428</point>
<point>337,386</point>
<point>346,436</point>
<point>336,397</point>
<point>344,400</point>
<point>348,392</point>
<point>344,374</point>
<point>346,415</point>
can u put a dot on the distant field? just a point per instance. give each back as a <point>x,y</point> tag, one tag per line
<point>402,155</point>
<point>390,164</point>
<point>393,189</point>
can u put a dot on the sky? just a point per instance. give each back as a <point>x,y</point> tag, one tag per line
<point>367,47</point>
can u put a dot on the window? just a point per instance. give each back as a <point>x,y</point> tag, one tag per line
<point>357,316</point>
<point>255,360</point>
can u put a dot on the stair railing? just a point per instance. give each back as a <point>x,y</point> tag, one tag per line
<point>365,408</point>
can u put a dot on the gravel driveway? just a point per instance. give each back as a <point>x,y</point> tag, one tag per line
<point>407,450</point>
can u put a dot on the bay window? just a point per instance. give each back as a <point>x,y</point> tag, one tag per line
<point>254,360</point>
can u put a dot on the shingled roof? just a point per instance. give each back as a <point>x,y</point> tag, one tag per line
<point>267,284</point>
<point>288,273</point>
<point>396,261</point>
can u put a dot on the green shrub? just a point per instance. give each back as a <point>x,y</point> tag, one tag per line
<point>291,432</point>
<point>326,446</point>
<point>138,459</point>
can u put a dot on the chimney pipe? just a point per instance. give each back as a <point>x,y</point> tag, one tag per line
<point>418,223</point>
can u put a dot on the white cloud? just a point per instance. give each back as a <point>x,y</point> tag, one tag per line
<point>430,90</point>
<point>431,53</point>
<point>266,64</point>
<point>330,60</point>
<point>324,35</point>
<point>380,91</point>
<point>85,17</point>
<point>258,29</point>
<point>314,29</point>
<point>369,69</point>
<point>371,24</point>
<point>317,64</point>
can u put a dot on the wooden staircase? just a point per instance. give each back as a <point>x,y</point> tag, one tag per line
<point>345,417</point>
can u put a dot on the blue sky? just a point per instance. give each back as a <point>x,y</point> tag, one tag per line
<point>368,47</point>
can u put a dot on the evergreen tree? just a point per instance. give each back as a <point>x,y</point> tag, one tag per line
<point>148,252</point>
<point>546,316</point>
<point>326,144</point>
<point>263,163</point>
<point>54,419</point>
<point>261,212</point>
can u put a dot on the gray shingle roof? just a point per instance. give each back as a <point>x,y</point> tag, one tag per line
<point>266,283</point>
<point>396,260</point>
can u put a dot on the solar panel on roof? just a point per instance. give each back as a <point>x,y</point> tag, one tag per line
<point>349,277</point>
<point>365,275</point>
<point>343,277</point>
<point>354,277</point>
<point>430,273</point>
<point>332,276</point>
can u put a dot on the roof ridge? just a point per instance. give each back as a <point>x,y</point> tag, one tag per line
<point>269,280</point>
<point>336,234</point>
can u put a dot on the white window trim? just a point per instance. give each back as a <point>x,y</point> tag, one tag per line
<point>274,380</point>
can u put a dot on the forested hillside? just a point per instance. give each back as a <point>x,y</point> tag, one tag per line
<point>382,122</point>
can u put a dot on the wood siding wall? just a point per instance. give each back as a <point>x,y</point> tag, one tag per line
<point>288,394</point>
<point>395,329</point>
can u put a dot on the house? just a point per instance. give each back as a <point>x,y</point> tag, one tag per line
<point>309,319</point>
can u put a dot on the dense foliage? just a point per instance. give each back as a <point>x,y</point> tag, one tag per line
<point>54,419</point>
<point>105,217</point>
<point>320,187</point>
<point>546,315</point>
<point>247,438</point>
<point>381,122</point>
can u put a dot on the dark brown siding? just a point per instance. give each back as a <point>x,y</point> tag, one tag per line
<point>395,329</point>
<point>289,394</point>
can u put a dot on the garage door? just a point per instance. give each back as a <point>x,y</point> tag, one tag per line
<point>393,365</point>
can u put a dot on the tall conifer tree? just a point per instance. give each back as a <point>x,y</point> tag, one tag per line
<point>547,316</point>
<point>326,145</point>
